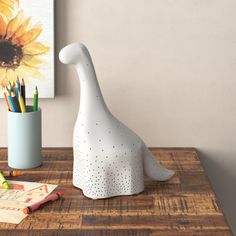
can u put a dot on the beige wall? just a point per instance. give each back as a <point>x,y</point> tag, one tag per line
<point>167,68</point>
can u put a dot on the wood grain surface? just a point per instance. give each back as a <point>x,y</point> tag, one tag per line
<point>185,205</point>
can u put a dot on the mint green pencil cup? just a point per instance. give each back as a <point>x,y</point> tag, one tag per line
<point>24,139</point>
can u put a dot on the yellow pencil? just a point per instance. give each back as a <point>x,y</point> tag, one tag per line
<point>22,104</point>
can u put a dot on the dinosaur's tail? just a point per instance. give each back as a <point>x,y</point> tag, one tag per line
<point>154,170</point>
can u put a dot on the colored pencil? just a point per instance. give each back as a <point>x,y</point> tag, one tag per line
<point>50,198</point>
<point>21,102</point>
<point>12,173</point>
<point>8,90</point>
<point>36,99</point>
<point>22,90</point>
<point>17,86</point>
<point>8,104</point>
<point>9,87</point>
<point>14,86</point>
<point>18,81</point>
<point>3,181</point>
<point>13,109</point>
<point>15,102</point>
<point>17,90</point>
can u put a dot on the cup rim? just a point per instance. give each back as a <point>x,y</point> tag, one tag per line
<point>27,112</point>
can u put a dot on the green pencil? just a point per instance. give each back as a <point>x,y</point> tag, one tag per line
<point>36,99</point>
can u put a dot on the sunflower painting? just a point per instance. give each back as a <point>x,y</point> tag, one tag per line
<point>26,44</point>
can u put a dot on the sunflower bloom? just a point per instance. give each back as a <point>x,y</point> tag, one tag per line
<point>19,50</point>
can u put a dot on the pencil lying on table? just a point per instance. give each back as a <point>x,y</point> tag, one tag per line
<point>3,181</point>
<point>12,173</point>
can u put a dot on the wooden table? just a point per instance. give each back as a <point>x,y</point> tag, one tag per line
<point>186,205</point>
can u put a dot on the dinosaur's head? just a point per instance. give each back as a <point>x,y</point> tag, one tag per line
<point>73,53</point>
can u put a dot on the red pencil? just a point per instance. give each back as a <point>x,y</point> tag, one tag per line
<point>8,104</point>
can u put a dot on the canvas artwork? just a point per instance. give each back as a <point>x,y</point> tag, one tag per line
<point>27,44</point>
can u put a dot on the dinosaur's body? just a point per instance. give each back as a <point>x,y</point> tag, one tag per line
<point>109,158</point>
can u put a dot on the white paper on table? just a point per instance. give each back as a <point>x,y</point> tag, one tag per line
<point>20,195</point>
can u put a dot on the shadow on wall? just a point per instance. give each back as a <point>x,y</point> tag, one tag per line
<point>222,180</point>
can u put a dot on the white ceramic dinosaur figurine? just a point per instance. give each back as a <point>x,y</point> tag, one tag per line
<point>109,158</point>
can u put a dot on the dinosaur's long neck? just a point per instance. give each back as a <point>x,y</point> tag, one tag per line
<point>91,99</point>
